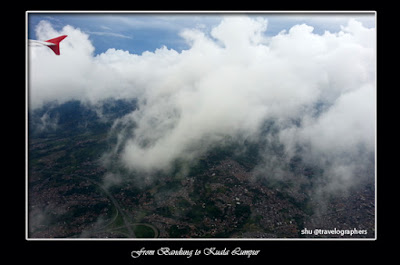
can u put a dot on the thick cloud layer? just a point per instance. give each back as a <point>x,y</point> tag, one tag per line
<point>318,89</point>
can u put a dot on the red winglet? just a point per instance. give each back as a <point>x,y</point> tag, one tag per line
<point>56,41</point>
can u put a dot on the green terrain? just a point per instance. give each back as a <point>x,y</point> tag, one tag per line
<point>71,195</point>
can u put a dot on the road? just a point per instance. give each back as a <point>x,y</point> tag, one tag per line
<point>125,218</point>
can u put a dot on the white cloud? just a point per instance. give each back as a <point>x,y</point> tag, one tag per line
<point>227,84</point>
<point>111,34</point>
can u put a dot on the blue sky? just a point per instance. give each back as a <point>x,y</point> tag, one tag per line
<point>139,32</point>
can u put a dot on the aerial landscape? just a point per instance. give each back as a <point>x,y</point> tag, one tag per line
<point>188,126</point>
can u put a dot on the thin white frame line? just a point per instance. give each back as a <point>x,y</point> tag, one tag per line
<point>340,12</point>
